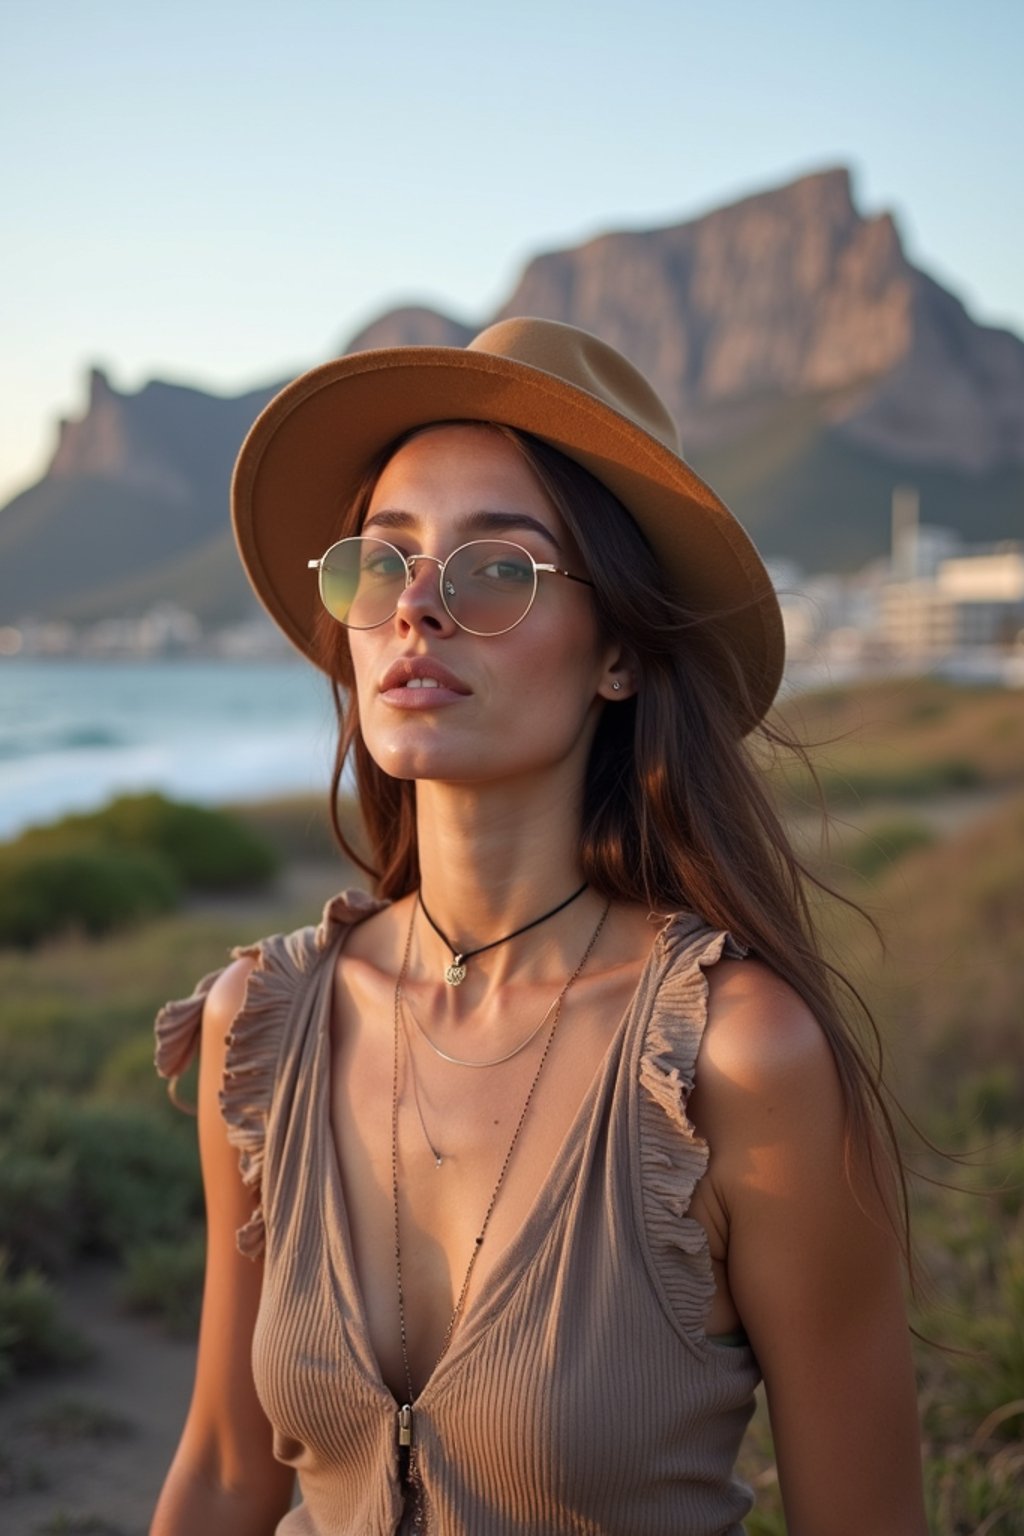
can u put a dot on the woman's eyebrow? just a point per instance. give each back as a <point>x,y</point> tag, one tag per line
<point>481,522</point>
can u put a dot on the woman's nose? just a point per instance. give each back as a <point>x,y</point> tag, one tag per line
<point>420,600</point>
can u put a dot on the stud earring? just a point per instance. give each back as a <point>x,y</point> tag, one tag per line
<point>616,686</point>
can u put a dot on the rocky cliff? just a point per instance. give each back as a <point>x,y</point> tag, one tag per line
<point>788,292</point>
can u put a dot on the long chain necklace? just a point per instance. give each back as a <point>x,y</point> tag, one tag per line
<point>455,974</point>
<point>405,1412</point>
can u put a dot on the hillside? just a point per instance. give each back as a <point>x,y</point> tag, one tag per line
<point>132,509</point>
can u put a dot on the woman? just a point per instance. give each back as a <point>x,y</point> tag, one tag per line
<point>558,1144</point>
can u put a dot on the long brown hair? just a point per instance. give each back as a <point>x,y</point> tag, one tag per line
<point>677,811</point>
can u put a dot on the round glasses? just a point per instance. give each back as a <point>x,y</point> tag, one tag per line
<point>487,586</point>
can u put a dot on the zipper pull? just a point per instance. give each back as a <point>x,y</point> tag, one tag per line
<point>405,1424</point>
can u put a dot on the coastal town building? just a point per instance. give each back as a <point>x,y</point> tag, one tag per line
<point>936,604</point>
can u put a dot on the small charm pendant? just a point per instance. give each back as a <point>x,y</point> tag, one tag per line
<point>455,975</point>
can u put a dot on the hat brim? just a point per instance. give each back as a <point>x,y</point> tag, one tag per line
<point>308,450</point>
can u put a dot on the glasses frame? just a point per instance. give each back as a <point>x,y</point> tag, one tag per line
<point>410,562</point>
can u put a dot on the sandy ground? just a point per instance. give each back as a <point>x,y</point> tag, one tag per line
<point>83,1452</point>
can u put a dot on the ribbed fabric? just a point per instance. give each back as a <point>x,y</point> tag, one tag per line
<point>580,1392</point>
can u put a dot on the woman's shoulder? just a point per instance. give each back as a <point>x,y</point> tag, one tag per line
<point>752,1019</point>
<point>226,996</point>
<point>760,1029</point>
<point>768,1093</point>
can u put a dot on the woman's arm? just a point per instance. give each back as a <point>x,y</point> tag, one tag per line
<point>813,1266</point>
<point>224,1478</point>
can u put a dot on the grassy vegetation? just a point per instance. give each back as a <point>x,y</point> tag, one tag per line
<point>907,740</point>
<point>94,1161</point>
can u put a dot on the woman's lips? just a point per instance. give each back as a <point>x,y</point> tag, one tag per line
<point>420,682</point>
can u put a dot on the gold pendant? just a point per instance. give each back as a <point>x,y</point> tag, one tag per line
<point>455,975</point>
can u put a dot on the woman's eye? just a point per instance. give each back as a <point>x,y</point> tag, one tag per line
<point>384,565</point>
<point>507,570</point>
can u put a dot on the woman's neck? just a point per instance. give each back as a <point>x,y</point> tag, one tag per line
<point>492,860</point>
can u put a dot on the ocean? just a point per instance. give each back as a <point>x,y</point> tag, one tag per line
<point>73,734</point>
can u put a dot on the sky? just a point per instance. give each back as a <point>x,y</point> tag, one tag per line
<point>222,193</point>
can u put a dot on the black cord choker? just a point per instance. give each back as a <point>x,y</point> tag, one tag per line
<point>455,974</point>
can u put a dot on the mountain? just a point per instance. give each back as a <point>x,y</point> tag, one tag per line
<point>810,365</point>
<point>131,509</point>
<point>792,294</point>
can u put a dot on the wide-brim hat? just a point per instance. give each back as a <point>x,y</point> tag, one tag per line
<point>307,452</point>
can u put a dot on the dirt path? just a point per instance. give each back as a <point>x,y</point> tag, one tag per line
<point>83,1452</point>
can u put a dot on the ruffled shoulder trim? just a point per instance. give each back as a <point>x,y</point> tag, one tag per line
<point>673,1158</point>
<point>177,1028</point>
<point>284,965</point>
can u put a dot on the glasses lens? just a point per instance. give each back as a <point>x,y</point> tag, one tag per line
<point>488,586</point>
<point>361,581</point>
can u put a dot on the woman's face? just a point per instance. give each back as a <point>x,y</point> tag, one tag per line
<point>520,703</point>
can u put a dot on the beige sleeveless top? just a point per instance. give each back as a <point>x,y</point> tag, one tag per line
<point>580,1392</point>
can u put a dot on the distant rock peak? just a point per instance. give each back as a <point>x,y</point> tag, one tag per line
<point>99,385</point>
<point>411,325</point>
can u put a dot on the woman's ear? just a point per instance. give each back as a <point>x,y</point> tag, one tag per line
<point>620,679</point>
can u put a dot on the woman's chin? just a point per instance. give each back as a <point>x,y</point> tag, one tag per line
<point>420,760</point>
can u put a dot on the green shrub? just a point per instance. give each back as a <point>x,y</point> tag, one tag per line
<point>884,845</point>
<point>39,1225</point>
<point>968,1492</point>
<point>127,1074</point>
<point>135,1171</point>
<point>165,1280</point>
<point>993,1101</point>
<point>103,870</point>
<point>137,1177</point>
<point>296,827</point>
<point>31,1333</point>
<point>208,850</point>
<point>60,1038</point>
<point>860,778</point>
<point>992,1376</point>
<point>45,891</point>
<point>913,781</point>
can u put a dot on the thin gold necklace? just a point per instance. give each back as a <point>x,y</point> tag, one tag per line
<point>405,1412</point>
<point>435,1154</point>
<point>456,1061</point>
<point>496,1061</point>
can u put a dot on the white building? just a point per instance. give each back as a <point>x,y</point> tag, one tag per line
<point>976,598</point>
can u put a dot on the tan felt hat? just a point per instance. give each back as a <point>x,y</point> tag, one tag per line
<point>308,450</point>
